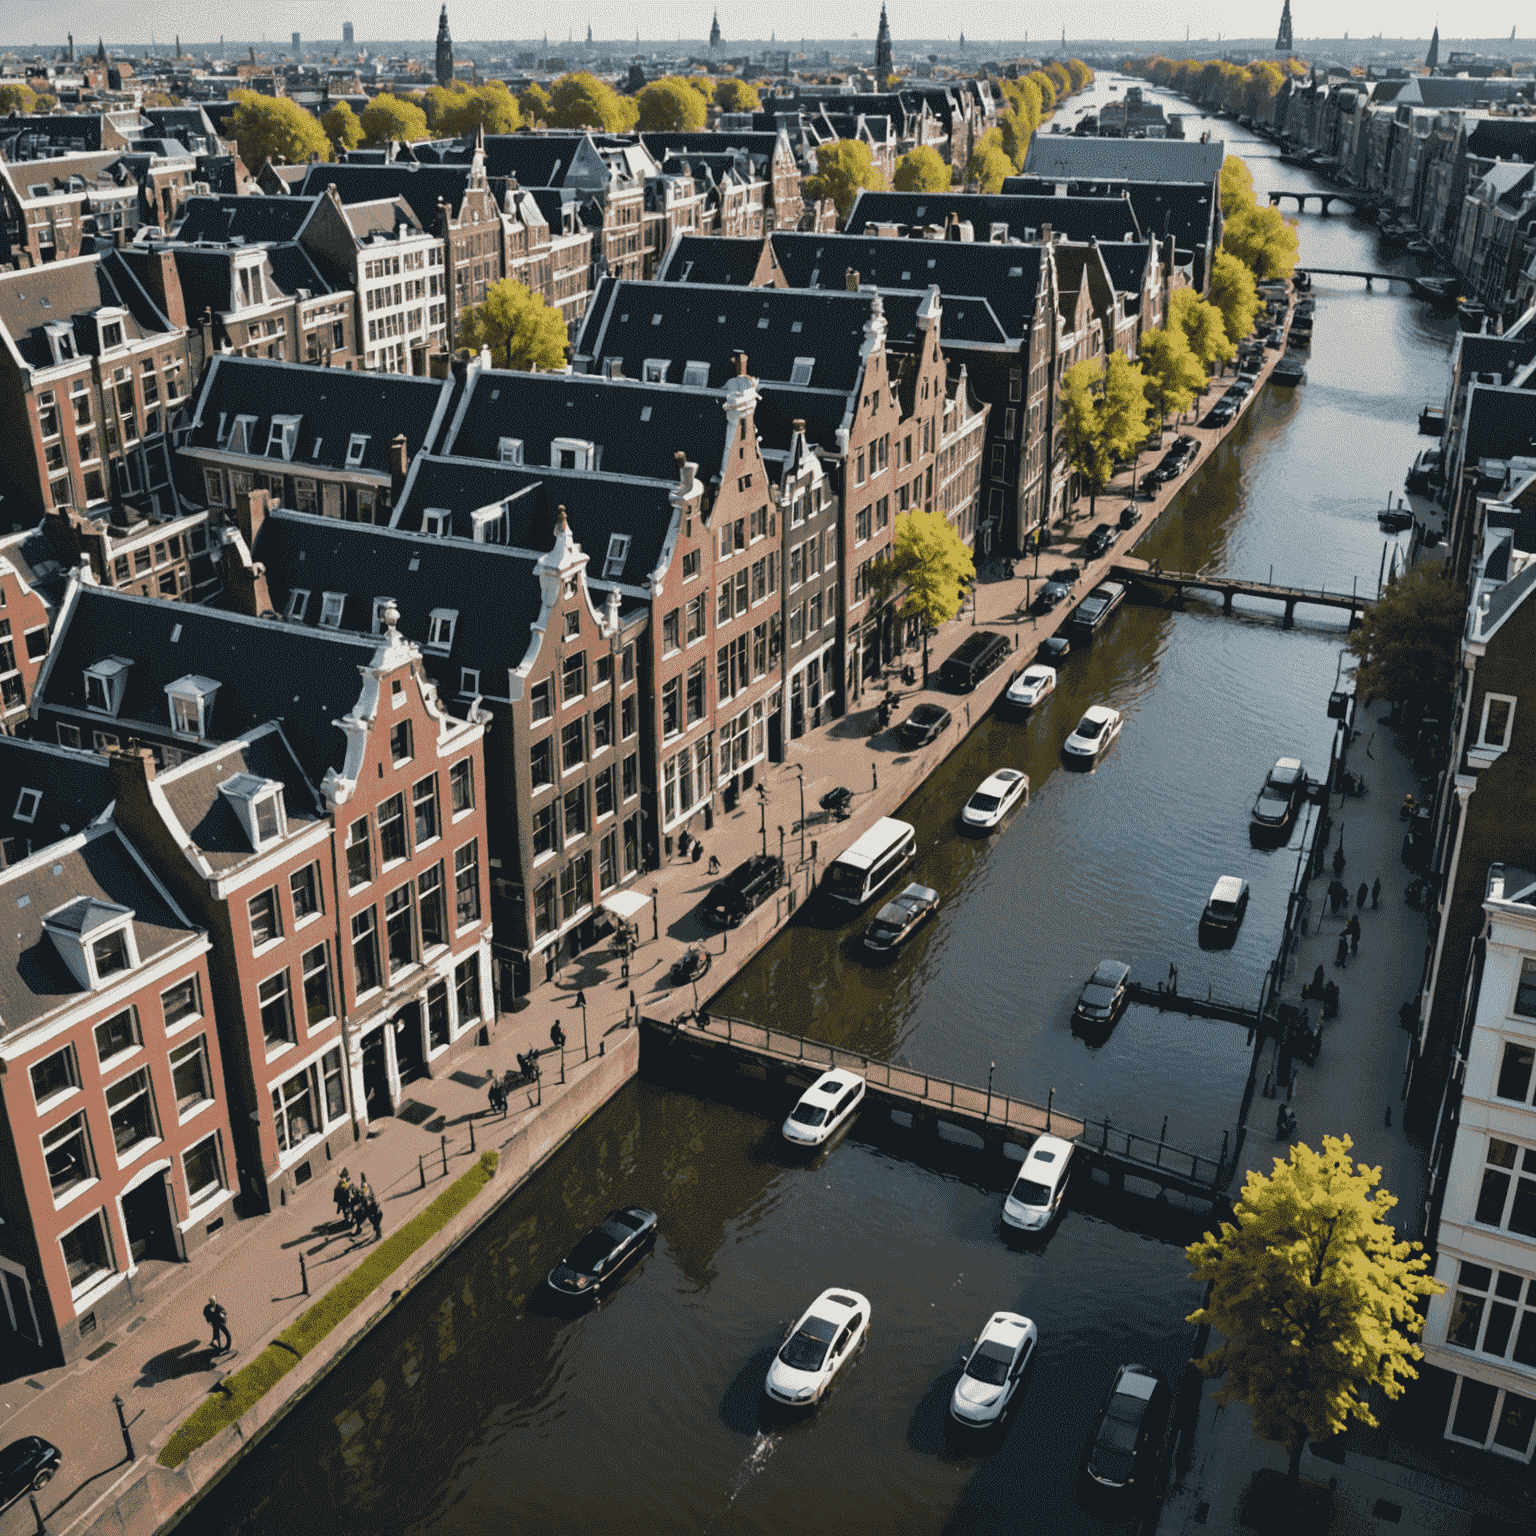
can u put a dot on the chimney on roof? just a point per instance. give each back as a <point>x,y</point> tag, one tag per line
<point>399,457</point>
<point>132,773</point>
<point>740,360</point>
<point>685,470</point>
<point>851,280</point>
<point>1045,234</point>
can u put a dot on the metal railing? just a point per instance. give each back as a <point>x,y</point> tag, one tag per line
<point>1154,1152</point>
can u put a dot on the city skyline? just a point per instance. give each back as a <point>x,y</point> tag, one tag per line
<point>38,22</point>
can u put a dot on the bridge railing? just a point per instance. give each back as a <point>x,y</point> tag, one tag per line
<point>1155,1152</point>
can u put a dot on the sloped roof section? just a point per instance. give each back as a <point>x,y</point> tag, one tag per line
<point>1065,155</point>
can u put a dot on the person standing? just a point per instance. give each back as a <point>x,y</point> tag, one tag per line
<point>342,1195</point>
<point>1376,894</point>
<point>1352,928</point>
<point>1361,894</point>
<point>557,1036</point>
<point>1338,860</point>
<point>218,1323</point>
<point>1341,957</point>
<point>375,1217</point>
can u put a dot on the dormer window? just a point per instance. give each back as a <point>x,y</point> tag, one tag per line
<point>27,803</point>
<point>488,525</point>
<point>440,627</point>
<point>298,601</point>
<point>62,340</point>
<point>240,435</point>
<point>655,370</point>
<point>331,605</point>
<point>111,334</point>
<point>801,372</point>
<point>94,938</point>
<point>696,375</point>
<point>436,523</point>
<point>572,453</point>
<point>509,450</point>
<point>357,446</point>
<point>259,804</point>
<point>283,436</point>
<point>380,607</point>
<point>191,699</point>
<point>618,553</point>
<point>105,683</point>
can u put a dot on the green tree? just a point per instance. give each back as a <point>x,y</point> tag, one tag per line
<point>670,106</point>
<point>1235,293</point>
<point>1124,406</point>
<point>921,170</point>
<point>275,128</point>
<point>989,166</point>
<point>1014,134</point>
<point>519,327</point>
<point>387,118</point>
<point>931,566</point>
<point>1203,328</point>
<point>15,97</point>
<point>581,100</point>
<point>1407,643</point>
<point>842,169</point>
<point>342,128</point>
<point>1083,428</point>
<point>1263,240</point>
<point>1033,103</point>
<point>736,96</point>
<point>491,108</point>
<point>1174,374</point>
<point>1047,89</point>
<point>534,101</point>
<point>1236,186</point>
<point>1314,1297</point>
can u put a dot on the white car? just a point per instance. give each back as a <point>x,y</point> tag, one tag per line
<point>825,1106</point>
<point>1034,685</point>
<point>993,1370</point>
<point>994,798</point>
<point>817,1348</point>
<point>1095,731</point>
<point>1042,1181</point>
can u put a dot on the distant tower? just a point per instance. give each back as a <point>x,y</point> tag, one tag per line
<point>1283,40</point>
<point>101,52</point>
<point>70,56</point>
<point>348,37</point>
<point>296,43</point>
<point>962,42</point>
<point>589,34</point>
<point>1432,58</point>
<point>714,32</point>
<point>883,50</point>
<point>444,48</point>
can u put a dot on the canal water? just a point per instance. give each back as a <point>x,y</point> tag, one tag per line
<point>478,1409</point>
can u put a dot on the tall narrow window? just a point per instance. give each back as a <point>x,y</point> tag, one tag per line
<point>461,785</point>
<point>424,809</point>
<point>392,844</point>
<point>359,854</point>
<point>399,929</point>
<point>276,1009</point>
<point>430,908</point>
<point>466,883</point>
<point>365,950</point>
<point>316,967</point>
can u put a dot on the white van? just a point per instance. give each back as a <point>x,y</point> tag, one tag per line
<point>872,862</point>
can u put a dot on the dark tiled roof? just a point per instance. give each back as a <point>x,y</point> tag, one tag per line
<point>760,146</point>
<point>219,220</point>
<point>334,403</point>
<point>1183,209</point>
<point>76,788</point>
<point>637,427</point>
<point>1503,355</point>
<point>1501,424</point>
<point>1006,276</point>
<point>1127,261</point>
<point>421,186</point>
<point>491,634</point>
<point>597,506</point>
<point>1072,218</point>
<point>1060,156</point>
<point>1507,598</point>
<point>266,670</point>
<point>206,816</point>
<point>535,159</point>
<point>381,217</point>
<point>35,297</point>
<point>710,259</point>
<point>34,980</point>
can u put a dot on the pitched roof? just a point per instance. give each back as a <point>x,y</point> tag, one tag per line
<point>1107,217</point>
<point>76,787</point>
<point>59,292</point>
<point>382,216</point>
<point>1066,155</point>
<point>220,220</point>
<point>1500,423</point>
<point>1183,209</point>
<point>711,259</point>
<point>422,187</point>
<point>266,670</point>
<point>636,426</point>
<point>96,867</point>
<point>333,405</point>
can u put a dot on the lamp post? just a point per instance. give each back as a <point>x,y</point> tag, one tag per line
<point>762,811</point>
<point>990,1071</point>
<point>781,842</point>
<point>800,769</point>
<point>655,912</point>
<point>586,1051</point>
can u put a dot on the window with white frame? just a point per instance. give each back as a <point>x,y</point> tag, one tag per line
<point>469,682</point>
<point>191,701</point>
<point>1507,1198</point>
<point>27,803</point>
<point>204,1170</point>
<point>489,525</point>
<point>1525,989</point>
<point>259,804</point>
<point>440,626</point>
<point>239,440</point>
<point>802,370</point>
<point>67,1155</point>
<point>509,450</point>
<point>56,1074</point>
<point>131,1111</point>
<point>105,684</point>
<point>294,1104</point>
<point>181,1003</point>
<point>283,436</point>
<point>87,1254</point>
<point>1493,1418</point>
<point>436,523</point>
<point>298,601</point>
<point>330,609</point>
<point>1497,723</point>
<point>618,553</point>
<point>696,375</point>
<point>190,1078</point>
<point>655,370</point>
<point>380,606</point>
<point>357,446</point>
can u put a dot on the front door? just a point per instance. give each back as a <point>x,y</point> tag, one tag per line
<point>18,1310</point>
<point>410,1045</point>
<point>147,1215</point>
<point>376,1076</point>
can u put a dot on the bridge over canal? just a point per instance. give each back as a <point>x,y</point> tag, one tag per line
<point>1230,587</point>
<point>1354,200</point>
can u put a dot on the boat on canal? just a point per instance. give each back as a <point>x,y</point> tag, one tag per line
<point>1289,372</point>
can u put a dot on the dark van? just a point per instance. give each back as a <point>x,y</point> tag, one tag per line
<point>745,888</point>
<point>981,654</point>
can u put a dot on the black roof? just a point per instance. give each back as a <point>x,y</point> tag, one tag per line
<point>494,590</point>
<point>1501,424</point>
<point>1183,209</point>
<point>32,298</point>
<point>76,788</point>
<point>636,427</point>
<point>1005,276</point>
<point>711,259</point>
<point>100,867</point>
<point>1127,261</point>
<point>1108,217</point>
<point>422,186</point>
<point>304,678</point>
<point>207,275</point>
<point>760,146</point>
<point>220,220</point>
<point>534,159</point>
<point>333,404</point>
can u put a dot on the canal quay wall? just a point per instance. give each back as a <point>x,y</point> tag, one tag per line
<point>408,1168</point>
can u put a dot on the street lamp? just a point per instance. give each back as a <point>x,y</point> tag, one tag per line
<point>586,1051</point>
<point>990,1071</point>
<point>800,769</point>
<point>762,810</point>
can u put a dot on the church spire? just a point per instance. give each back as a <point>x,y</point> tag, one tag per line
<point>714,31</point>
<point>1283,38</point>
<point>1432,58</point>
<point>444,48</point>
<point>882,51</point>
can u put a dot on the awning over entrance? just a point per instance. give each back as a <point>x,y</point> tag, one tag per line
<point>626,905</point>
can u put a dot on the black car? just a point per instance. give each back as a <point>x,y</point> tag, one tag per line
<point>597,1261</point>
<point>26,1466</point>
<point>1130,515</point>
<point>900,918</point>
<point>747,887</point>
<point>1128,1443</point>
<point>926,723</point>
<point>1104,994</point>
<point>1279,795</point>
<point>1090,614</point>
<point>1050,595</point>
<point>1054,650</point>
<point>1099,540</point>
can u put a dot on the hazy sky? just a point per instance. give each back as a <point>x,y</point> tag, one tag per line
<point>33,21</point>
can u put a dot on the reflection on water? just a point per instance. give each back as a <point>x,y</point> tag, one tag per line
<point>479,1409</point>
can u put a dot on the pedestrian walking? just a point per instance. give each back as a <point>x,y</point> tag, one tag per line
<point>218,1324</point>
<point>342,1194</point>
<point>1407,1016</point>
<point>1352,928</point>
<point>1338,860</point>
<point>1361,894</point>
<point>1173,977</point>
<point>1342,956</point>
<point>557,1036</point>
<point>1335,896</point>
<point>375,1219</point>
<point>1376,894</point>
<point>713,867</point>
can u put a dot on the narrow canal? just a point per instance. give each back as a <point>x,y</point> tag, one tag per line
<point>477,1409</point>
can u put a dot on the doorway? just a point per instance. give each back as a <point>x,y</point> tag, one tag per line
<point>410,1046</point>
<point>147,1216</point>
<point>376,1076</point>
